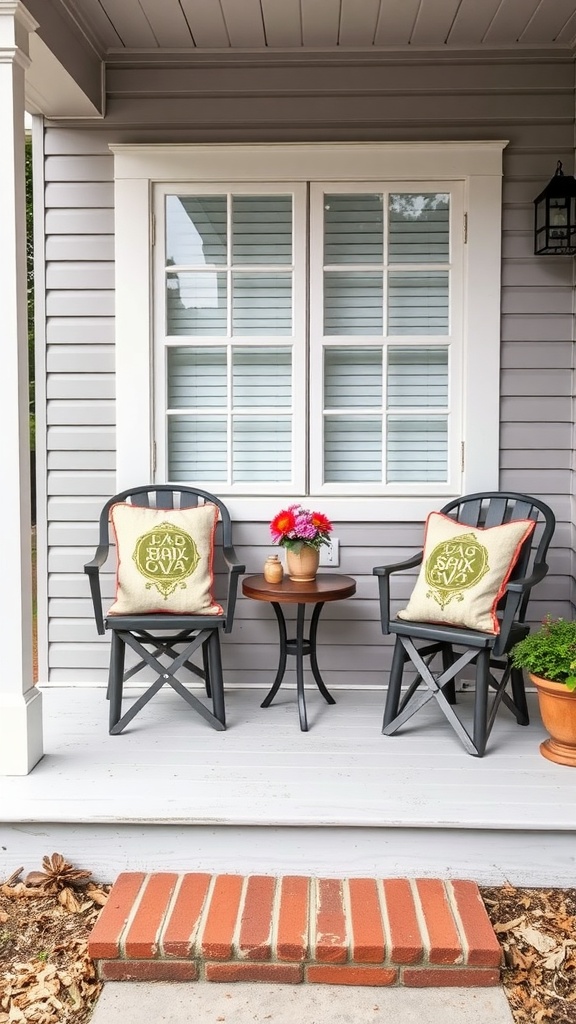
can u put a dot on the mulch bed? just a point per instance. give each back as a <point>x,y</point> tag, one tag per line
<point>46,976</point>
<point>537,931</point>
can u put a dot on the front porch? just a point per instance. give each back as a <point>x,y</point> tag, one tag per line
<point>263,797</point>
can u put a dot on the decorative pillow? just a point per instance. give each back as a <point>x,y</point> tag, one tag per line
<point>164,560</point>
<point>464,572</point>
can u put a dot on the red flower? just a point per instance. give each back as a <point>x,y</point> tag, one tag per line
<point>321,522</point>
<point>282,524</point>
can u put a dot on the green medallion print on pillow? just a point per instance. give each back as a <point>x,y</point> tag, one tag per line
<point>164,560</point>
<point>166,557</point>
<point>464,572</point>
<point>455,565</point>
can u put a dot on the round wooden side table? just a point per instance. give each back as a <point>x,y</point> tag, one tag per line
<point>326,587</point>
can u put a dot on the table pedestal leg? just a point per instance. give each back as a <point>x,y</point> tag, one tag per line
<point>300,667</point>
<point>298,647</point>
<point>313,660</point>
<point>282,659</point>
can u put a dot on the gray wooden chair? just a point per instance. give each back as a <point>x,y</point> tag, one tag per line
<point>420,643</point>
<point>160,635</point>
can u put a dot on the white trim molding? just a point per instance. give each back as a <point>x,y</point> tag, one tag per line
<point>21,742</point>
<point>476,165</point>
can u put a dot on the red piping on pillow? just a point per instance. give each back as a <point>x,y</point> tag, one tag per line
<point>530,527</point>
<point>528,532</point>
<point>163,611</point>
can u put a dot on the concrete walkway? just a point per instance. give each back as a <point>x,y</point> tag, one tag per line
<point>242,1003</point>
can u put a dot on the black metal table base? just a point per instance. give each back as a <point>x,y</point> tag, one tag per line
<point>300,647</point>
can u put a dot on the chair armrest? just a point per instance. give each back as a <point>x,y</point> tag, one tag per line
<point>235,570</point>
<point>525,584</point>
<point>516,593</point>
<point>92,570</point>
<point>383,572</point>
<point>408,563</point>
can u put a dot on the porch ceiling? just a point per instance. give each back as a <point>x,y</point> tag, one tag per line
<point>127,25</point>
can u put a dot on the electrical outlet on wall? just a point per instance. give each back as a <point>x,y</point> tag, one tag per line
<point>330,553</point>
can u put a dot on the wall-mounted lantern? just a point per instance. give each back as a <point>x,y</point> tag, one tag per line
<point>555,216</point>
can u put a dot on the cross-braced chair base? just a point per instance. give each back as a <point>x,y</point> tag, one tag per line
<point>419,643</point>
<point>156,636</point>
<point>207,639</point>
<point>439,686</point>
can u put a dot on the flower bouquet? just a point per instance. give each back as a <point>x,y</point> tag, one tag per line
<point>302,533</point>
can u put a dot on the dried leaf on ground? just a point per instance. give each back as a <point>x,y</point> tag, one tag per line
<point>537,930</point>
<point>46,975</point>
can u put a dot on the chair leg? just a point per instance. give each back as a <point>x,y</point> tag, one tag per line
<point>115,679</point>
<point>206,664</point>
<point>519,696</point>
<point>394,683</point>
<point>216,680</point>
<point>481,701</point>
<point>448,660</point>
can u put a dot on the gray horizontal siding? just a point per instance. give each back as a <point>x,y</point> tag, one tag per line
<point>529,103</point>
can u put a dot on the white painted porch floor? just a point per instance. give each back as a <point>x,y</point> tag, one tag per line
<point>171,792</point>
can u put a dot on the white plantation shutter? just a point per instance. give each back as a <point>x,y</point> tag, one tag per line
<point>353,230</point>
<point>418,303</point>
<point>197,448</point>
<point>261,377</point>
<point>230,273</point>
<point>352,449</point>
<point>382,331</point>
<point>353,302</point>
<point>262,449</point>
<point>416,449</point>
<point>261,230</point>
<point>197,378</point>
<point>262,304</point>
<point>262,446</point>
<point>353,377</point>
<point>352,443</point>
<point>417,377</point>
<point>382,261</point>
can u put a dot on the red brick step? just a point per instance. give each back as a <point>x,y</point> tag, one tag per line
<point>352,931</point>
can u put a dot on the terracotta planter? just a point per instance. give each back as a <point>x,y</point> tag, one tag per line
<point>558,711</point>
<point>302,566</point>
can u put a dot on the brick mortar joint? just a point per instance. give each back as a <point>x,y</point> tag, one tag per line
<point>203,916</point>
<point>121,943</point>
<point>167,915</point>
<point>421,921</point>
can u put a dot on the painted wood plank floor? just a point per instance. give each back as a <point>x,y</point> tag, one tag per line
<point>170,766</point>
<point>264,798</point>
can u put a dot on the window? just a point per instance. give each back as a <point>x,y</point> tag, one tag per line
<point>231,337</point>
<point>314,335</point>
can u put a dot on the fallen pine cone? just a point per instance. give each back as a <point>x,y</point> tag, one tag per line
<point>57,875</point>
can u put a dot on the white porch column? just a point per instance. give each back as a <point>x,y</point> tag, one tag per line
<point>20,702</point>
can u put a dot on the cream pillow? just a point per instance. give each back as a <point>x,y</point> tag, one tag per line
<point>464,572</point>
<point>164,560</point>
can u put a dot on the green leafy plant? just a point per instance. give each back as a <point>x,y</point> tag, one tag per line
<point>550,652</point>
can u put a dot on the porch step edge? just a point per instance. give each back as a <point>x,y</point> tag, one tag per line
<point>415,932</point>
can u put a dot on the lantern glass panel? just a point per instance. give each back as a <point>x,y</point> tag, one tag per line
<point>558,213</point>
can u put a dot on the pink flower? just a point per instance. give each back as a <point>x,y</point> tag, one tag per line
<point>295,526</point>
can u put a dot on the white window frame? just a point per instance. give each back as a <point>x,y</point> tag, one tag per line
<point>478,165</point>
<point>296,342</point>
<point>319,341</point>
